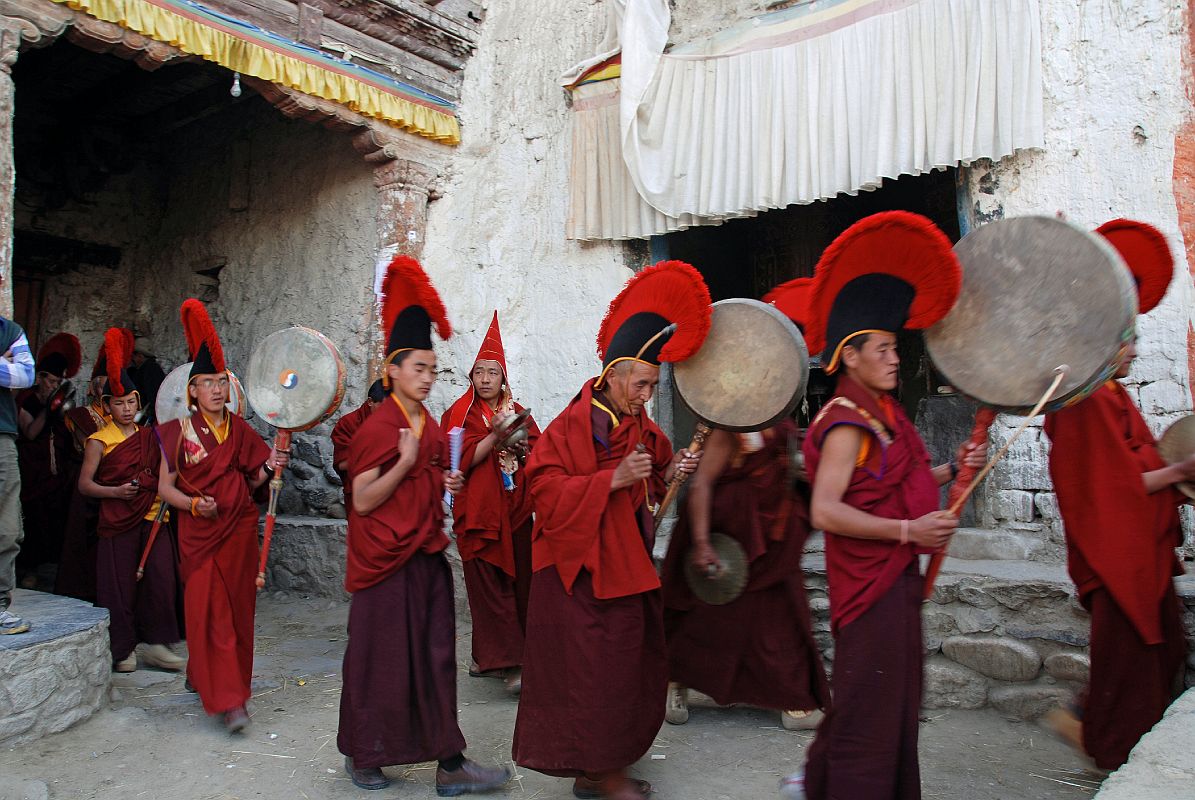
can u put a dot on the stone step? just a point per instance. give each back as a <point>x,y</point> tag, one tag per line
<point>979,544</point>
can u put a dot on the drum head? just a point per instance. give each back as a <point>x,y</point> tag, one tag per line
<point>730,582</point>
<point>1037,293</point>
<point>1178,444</point>
<point>296,379</point>
<point>172,395</point>
<point>750,372</point>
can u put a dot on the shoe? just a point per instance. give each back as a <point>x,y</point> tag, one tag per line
<point>369,778</point>
<point>589,789</point>
<point>189,687</point>
<point>471,777</point>
<point>677,710</point>
<point>801,720</point>
<point>236,720</point>
<point>126,664</point>
<point>162,657</point>
<point>514,681</point>
<point>792,787</point>
<point>11,623</point>
<point>1066,725</point>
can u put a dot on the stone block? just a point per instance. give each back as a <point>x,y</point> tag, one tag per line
<point>1027,701</point>
<point>1069,666</point>
<point>949,685</point>
<point>1047,505</point>
<point>308,556</point>
<point>980,544</point>
<point>16,724</point>
<point>1024,475</point>
<point>1000,658</point>
<point>936,626</point>
<point>1011,504</point>
<point>31,688</point>
<point>1164,397</point>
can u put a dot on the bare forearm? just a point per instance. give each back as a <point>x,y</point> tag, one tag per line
<point>699,501</point>
<point>846,520</point>
<point>943,474</point>
<point>173,496</point>
<point>1159,479</point>
<point>483,449</point>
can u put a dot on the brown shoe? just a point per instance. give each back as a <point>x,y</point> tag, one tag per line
<point>514,681</point>
<point>236,720</point>
<point>614,786</point>
<point>471,777</point>
<point>368,778</point>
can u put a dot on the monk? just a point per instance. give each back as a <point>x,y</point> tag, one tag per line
<point>345,429</point>
<point>43,450</point>
<point>594,663</point>
<point>877,498</point>
<point>398,704</point>
<point>120,470</point>
<point>492,514</point>
<point>1120,508</point>
<point>211,464</point>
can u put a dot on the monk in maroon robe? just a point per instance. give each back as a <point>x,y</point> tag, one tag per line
<point>594,664</point>
<point>342,437</point>
<point>212,461</point>
<point>1120,508</point>
<point>120,469</point>
<point>398,701</point>
<point>492,514</point>
<point>876,497</point>
<point>759,648</point>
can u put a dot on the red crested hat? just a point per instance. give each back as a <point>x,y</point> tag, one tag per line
<point>100,368</point>
<point>203,344</point>
<point>1147,254</point>
<point>791,299</point>
<point>117,353</point>
<point>890,271</point>
<point>662,314</point>
<point>410,306</point>
<point>61,355</point>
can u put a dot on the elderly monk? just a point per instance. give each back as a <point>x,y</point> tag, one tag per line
<point>346,428</point>
<point>120,470</point>
<point>876,497</point>
<point>1120,508</point>
<point>492,514</point>
<point>758,649</point>
<point>398,704</point>
<point>594,664</point>
<point>212,462</point>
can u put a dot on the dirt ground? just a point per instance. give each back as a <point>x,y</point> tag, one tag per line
<point>154,740</point>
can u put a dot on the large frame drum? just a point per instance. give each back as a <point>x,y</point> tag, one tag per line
<point>296,378</point>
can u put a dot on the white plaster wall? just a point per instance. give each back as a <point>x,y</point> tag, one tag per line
<point>495,240</point>
<point>1113,102</point>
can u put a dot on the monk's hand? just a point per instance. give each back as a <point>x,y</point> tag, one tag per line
<point>972,455</point>
<point>206,507</point>
<point>705,560</point>
<point>632,469</point>
<point>408,448</point>
<point>933,530</point>
<point>454,479</point>
<point>1186,469</point>
<point>279,459</point>
<point>126,491</point>
<point>686,462</point>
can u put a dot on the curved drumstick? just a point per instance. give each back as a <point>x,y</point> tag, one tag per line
<point>965,484</point>
<point>153,534</point>
<point>699,436</point>
<point>281,444</point>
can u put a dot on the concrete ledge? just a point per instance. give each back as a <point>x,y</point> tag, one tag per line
<point>1162,765</point>
<point>56,674</point>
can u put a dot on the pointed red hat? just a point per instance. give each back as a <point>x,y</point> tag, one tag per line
<point>117,354</point>
<point>61,355</point>
<point>203,344</point>
<point>491,347</point>
<point>662,314</point>
<point>791,299</point>
<point>1147,254</point>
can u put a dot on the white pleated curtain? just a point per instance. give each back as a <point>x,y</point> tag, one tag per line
<point>802,105</point>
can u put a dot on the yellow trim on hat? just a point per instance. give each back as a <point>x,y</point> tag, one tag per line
<point>387,362</point>
<point>601,378</point>
<point>832,367</point>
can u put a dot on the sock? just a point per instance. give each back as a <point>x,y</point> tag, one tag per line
<point>452,763</point>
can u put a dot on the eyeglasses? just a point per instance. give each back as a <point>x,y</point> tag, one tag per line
<point>208,384</point>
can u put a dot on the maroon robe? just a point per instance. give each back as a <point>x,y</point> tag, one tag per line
<point>76,566</point>
<point>342,438</point>
<point>1120,553</point>
<point>218,557</point>
<point>398,702</point>
<point>759,648</point>
<point>486,518</point>
<point>594,663</point>
<point>46,477</point>
<point>866,747</point>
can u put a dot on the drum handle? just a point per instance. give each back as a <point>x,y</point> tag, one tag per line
<point>281,443</point>
<point>699,436</point>
<point>935,562</point>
